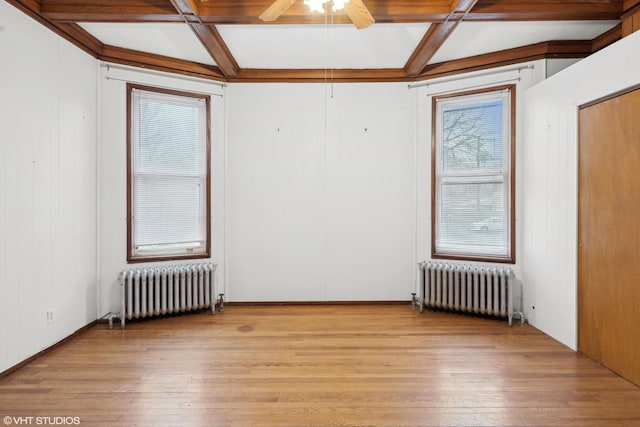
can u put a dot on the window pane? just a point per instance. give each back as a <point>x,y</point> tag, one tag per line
<point>472,136</point>
<point>169,138</point>
<point>168,210</point>
<point>472,218</point>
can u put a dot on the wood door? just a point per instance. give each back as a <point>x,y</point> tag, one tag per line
<point>609,233</point>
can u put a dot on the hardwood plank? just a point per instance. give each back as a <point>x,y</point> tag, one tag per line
<point>298,365</point>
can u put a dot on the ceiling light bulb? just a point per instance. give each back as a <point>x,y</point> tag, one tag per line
<point>315,5</point>
<point>339,4</point>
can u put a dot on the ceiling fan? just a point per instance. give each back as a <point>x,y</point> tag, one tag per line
<point>355,10</point>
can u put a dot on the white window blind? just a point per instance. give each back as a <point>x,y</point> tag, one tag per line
<point>473,176</point>
<point>168,174</point>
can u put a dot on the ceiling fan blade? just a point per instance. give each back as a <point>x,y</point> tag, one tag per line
<point>276,9</point>
<point>359,14</point>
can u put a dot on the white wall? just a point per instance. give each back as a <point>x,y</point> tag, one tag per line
<point>112,174</point>
<point>549,259</point>
<point>523,76</point>
<point>47,187</point>
<point>555,65</point>
<point>330,211</point>
<point>321,194</point>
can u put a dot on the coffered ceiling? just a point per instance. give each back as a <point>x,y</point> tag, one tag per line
<point>411,40</point>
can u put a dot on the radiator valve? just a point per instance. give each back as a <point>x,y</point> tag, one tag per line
<point>220,302</point>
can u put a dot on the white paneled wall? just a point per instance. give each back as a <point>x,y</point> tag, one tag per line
<point>370,193</point>
<point>321,192</point>
<point>47,187</point>
<point>549,256</point>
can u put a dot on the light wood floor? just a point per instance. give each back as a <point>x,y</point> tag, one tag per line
<point>320,365</point>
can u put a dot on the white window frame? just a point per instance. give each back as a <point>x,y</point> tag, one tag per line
<point>201,248</point>
<point>503,174</point>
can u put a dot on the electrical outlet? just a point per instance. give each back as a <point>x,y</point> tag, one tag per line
<point>51,315</point>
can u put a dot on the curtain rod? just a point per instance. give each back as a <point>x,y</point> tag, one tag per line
<point>487,73</point>
<point>162,87</point>
<point>516,79</point>
<point>160,73</point>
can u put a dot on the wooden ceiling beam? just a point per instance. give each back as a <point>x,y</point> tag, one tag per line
<point>190,6</point>
<point>109,11</point>
<point>208,36</point>
<point>68,31</point>
<point>630,4</point>
<point>257,75</point>
<point>217,48</point>
<point>59,15</point>
<point>436,35</point>
<point>247,12</point>
<point>383,11</point>
<point>605,39</point>
<point>434,38</point>
<point>27,6</point>
<point>545,10</point>
<point>150,61</point>
<point>631,21</point>
<point>225,12</point>
<point>552,49</point>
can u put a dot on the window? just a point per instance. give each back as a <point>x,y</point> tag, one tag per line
<point>473,175</point>
<point>168,173</point>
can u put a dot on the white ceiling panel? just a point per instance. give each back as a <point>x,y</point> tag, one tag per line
<point>476,38</point>
<point>322,46</point>
<point>168,39</point>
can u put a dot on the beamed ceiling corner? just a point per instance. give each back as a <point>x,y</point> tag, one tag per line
<point>203,17</point>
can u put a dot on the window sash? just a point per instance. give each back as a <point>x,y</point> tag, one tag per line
<point>468,225</point>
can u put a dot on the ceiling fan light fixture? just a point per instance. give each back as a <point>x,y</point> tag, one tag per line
<point>354,9</point>
<point>318,5</point>
<point>339,4</point>
<point>315,5</point>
